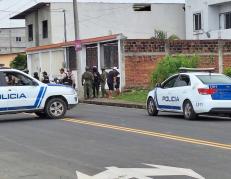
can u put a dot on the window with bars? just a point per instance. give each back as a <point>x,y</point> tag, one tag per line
<point>197,21</point>
<point>30,32</point>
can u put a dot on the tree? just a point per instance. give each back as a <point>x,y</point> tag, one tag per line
<point>20,62</point>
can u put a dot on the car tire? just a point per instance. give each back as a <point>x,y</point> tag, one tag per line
<point>55,108</point>
<point>151,107</point>
<point>41,115</point>
<point>188,111</point>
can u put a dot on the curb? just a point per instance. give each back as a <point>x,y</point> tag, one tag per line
<point>137,106</point>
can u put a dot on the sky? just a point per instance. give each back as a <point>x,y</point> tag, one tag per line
<point>10,7</point>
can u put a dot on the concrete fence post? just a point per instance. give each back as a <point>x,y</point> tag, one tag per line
<point>167,47</point>
<point>220,56</point>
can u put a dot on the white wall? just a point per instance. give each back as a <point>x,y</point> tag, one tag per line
<point>210,19</point>
<point>99,19</point>
<point>57,19</point>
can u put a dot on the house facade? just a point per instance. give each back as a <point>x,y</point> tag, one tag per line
<point>12,40</point>
<point>102,28</point>
<point>208,19</point>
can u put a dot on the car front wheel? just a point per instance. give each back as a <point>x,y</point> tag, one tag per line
<point>55,108</point>
<point>189,112</point>
<point>151,107</point>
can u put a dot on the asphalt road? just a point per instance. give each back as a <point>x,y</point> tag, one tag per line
<point>91,138</point>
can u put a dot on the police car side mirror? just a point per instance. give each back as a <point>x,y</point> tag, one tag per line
<point>158,85</point>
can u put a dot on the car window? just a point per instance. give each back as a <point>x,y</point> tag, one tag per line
<point>170,83</point>
<point>183,80</point>
<point>17,79</point>
<point>214,79</point>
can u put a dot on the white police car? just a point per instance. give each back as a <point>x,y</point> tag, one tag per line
<point>20,92</point>
<point>192,92</point>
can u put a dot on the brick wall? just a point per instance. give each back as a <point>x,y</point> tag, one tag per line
<point>142,56</point>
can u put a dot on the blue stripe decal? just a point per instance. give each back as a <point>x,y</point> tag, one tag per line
<point>165,106</point>
<point>37,102</point>
<point>42,97</point>
<point>39,96</point>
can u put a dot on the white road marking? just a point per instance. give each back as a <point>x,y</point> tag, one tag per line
<point>141,173</point>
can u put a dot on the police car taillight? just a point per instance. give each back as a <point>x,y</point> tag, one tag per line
<point>207,91</point>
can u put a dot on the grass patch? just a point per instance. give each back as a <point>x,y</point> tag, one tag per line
<point>137,96</point>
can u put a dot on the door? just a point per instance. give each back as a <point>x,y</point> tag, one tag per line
<point>165,95</point>
<point>3,94</point>
<point>23,92</point>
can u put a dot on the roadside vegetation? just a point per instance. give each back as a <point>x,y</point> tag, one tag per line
<point>134,95</point>
<point>20,62</point>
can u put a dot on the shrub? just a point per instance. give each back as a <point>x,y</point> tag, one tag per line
<point>227,71</point>
<point>170,65</point>
<point>20,62</point>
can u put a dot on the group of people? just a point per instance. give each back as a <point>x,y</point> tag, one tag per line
<point>66,78</point>
<point>92,80</point>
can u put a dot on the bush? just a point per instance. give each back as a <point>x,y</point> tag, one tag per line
<point>227,71</point>
<point>170,65</point>
<point>20,62</point>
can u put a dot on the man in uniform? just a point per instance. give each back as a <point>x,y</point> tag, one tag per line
<point>87,79</point>
<point>103,79</point>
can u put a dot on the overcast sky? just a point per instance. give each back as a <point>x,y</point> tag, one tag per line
<point>11,7</point>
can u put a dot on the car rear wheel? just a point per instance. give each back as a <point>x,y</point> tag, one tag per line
<point>55,108</point>
<point>151,107</point>
<point>189,112</point>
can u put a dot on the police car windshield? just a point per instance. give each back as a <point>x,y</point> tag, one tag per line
<point>214,79</point>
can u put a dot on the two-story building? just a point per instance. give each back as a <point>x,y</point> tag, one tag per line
<point>208,19</point>
<point>12,42</point>
<point>102,27</point>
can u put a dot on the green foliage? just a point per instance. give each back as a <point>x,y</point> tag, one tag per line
<point>227,71</point>
<point>173,37</point>
<point>135,96</point>
<point>20,62</point>
<point>159,34</point>
<point>170,65</point>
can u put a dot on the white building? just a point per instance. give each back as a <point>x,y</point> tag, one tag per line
<point>12,40</point>
<point>102,26</point>
<point>208,19</point>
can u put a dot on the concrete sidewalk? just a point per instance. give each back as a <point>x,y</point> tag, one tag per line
<point>113,102</point>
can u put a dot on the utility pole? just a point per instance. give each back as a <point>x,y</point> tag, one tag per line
<point>76,22</point>
<point>65,25</point>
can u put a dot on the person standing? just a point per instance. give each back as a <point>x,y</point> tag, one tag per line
<point>103,79</point>
<point>110,82</point>
<point>96,82</point>
<point>45,78</point>
<point>36,75</point>
<point>87,80</point>
<point>62,76</point>
<point>117,81</point>
<point>69,79</point>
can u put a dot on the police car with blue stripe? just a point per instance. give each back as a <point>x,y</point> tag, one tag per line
<point>192,92</point>
<point>22,93</point>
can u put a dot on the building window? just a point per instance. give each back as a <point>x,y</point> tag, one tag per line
<point>45,29</point>
<point>18,39</point>
<point>30,32</point>
<point>142,7</point>
<point>228,20</point>
<point>110,55</point>
<point>92,55</point>
<point>197,21</point>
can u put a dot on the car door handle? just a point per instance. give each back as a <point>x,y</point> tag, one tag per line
<point>9,90</point>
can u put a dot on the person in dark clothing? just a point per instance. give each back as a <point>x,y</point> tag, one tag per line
<point>110,82</point>
<point>45,78</point>
<point>96,82</point>
<point>117,80</point>
<point>36,75</point>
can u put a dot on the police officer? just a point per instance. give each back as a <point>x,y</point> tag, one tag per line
<point>45,78</point>
<point>96,82</point>
<point>36,76</point>
<point>103,79</point>
<point>87,80</point>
